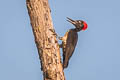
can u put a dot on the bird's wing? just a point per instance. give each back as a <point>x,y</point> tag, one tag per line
<point>71,42</point>
<point>70,47</point>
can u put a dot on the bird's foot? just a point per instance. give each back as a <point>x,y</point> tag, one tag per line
<point>53,31</point>
<point>55,34</point>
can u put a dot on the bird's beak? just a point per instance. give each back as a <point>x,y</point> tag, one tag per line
<point>70,20</point>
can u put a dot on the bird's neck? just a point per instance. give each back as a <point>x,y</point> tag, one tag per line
<point>76,29</point>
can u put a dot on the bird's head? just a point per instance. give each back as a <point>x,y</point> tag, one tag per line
<point>79,24</point>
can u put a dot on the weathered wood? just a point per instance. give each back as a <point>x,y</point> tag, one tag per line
<point>47,45</point>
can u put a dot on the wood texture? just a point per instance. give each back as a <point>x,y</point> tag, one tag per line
<point>47,45</point>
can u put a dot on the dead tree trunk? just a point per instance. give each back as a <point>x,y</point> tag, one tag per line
<point>47,45</point>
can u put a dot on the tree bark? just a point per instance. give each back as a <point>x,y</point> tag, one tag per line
<point>47,45</point>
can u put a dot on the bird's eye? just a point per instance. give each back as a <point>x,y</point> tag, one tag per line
<point>79,22</point>
<point>82,25</point>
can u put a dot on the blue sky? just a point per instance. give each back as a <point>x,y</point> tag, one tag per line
<point>97,54</point>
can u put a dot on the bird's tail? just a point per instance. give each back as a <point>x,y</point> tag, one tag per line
<point>65,62</point>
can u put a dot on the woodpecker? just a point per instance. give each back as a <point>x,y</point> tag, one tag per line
<point>69,40</point>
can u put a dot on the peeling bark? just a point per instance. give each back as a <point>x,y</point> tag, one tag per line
<point>47,45</point>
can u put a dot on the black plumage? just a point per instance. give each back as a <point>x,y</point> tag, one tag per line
<point>69,47</point>
<point>69,41</point>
